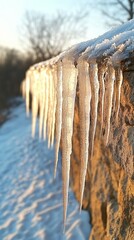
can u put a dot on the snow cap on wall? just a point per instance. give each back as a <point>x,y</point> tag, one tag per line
<point>96,67</point>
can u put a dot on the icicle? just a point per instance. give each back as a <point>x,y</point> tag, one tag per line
<point>50,107</point>
<point>42,99</point>
<point>46,102</point>
<point>108,100</point>
<point>58,114</point>
<point>69,92</point>
<point>84,107</point>
<point>118,83</point>
<point>54,103</point>
<point>93,73</point>
<point>27,85</point>
<point>114,98</point>
<point>101,76</point>
<point>35,99</point>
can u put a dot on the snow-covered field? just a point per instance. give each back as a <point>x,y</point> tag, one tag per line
<point>30,201</point>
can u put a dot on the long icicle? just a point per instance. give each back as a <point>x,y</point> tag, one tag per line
<point>108,100</point>
<point>50,107</point>
<point>114,98</point>
<point>54,73</point>
<point>27,94</point>
<point>46,102</point>
<point>93,73</point>
<point>42,100</point>
<point>101,76</point>
<point>84,107</point>
<point>69,93</point>
<point>35,99</point>
<point>119,80</point>
<point>58,114</point>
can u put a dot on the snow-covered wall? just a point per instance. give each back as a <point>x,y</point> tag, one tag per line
<point>95,68</point>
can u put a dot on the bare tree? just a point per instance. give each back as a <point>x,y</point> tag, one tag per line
<point>46,37</point>
<point>118,11</point>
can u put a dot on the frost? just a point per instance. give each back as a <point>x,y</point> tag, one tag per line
<point>97,67</point>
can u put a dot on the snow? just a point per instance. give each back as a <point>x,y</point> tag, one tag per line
<point>30,201</point>
<point>102,58</point>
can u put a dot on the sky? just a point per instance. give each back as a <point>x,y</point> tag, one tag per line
<point>12,14</point>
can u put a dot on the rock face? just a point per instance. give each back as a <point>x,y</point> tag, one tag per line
<point>109,188</point>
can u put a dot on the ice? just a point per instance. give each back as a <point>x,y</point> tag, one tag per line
<point>35,100</point>
<point>27,92</point>
<point>58,114</point>
<point>50,107</point>
<point>69,91</point>
<point>42,100</point>
<point>46,103</point>
<point>108,100</point>
<point>93,73</point>
<point>84,107</point>
<point>118,83</point>
<point>101,78</point>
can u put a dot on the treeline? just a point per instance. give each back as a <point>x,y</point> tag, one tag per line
<point>42,38</point>
<point>13,66</point>
<point>45,37</point>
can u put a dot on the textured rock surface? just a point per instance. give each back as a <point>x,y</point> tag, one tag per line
<point>109,188</point>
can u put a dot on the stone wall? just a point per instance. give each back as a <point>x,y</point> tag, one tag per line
<point>109,188</point>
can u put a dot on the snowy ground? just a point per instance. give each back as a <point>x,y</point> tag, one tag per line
<point>30,202</point>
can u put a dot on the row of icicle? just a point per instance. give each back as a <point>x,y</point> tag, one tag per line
<point>53,91</point>
<point>52,85</point>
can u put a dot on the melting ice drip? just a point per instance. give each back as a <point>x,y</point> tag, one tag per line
<point>96,67</point>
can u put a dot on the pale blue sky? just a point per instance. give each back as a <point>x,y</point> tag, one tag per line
<point>12,12</point>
